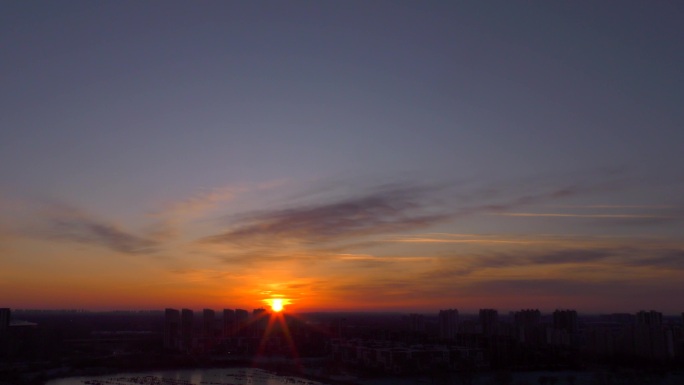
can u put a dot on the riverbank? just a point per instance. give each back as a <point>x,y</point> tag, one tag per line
<point>41,373</point>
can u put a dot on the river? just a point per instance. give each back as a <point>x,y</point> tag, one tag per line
<point>252,376</point>
<point>227,376</point>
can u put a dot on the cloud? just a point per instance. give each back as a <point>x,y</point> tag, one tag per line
<point>172,216</point>
<point>251,257</point>
<point>604,219</point>
<point>672,259</point>
<point>202,201</point>
<point>629,207</point>
<point>443,238</point>
<point>376,218</point>
<point>582,293</point>
<point>574,256</point>
<point>68,224</point>
<point>382,218</point>
<point>545,287</point>
<point>387,210</point>
<point>366,257</point>
<point>615,258</point>
<point>500,199</point>
<point>610,215</point>
<point>563,215</point>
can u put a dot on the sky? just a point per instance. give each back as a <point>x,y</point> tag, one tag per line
<point>350,155</point>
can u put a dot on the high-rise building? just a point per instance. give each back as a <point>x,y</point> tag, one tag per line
<point>259,321</point>
<point>208,327</point>
<point>4,331</point>
<point>241,321</point>
<point>649,318</point>
<point>527,317</point>
<point>187,324</point>
<point>228,322</point>
<point>527,328</point>
<point>565,320</point>
<point>650,339</point>
<point>171,328</point>
<point>448,323</point>
<point>209,321</point>
<point>416,323</point>
<point>5,314</point>
<point>4,328</point>
<point>489,320</point>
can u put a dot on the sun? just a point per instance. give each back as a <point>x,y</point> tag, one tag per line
<point>277,305</point>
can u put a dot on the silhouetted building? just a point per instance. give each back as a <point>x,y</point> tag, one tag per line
<point>4,330</point>
<point>208,326</point>
<point>489,320</point>
<point>256,313</point>
<point>171,328</point>
<point>228,322</point>
<point>259,321</point>
<point>565,320</point>
<point>601,339</point>
<point>241,321</point>
<point>5,314</point>
<point>339,327</point>
<point>448,323</point>
<point>416,323</point>
<point>527,317</point>
<point>209,321</point>
<point>650,318</point>
<point>187,324</point>
<point>527,326</point>
<point>649,338</point>
<point>565,332</point>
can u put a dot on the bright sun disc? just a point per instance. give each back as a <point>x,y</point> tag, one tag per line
<point>277,304</point>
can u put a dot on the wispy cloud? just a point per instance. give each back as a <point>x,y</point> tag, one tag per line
<point>577,292</point>
<point>367,257</point>
<point>172,216</point>
<point>202,201</point>
<point>376,217</point>
<point>388,210</point>
<point>666,258</point>
<point>69,224</point>
<point>543,286</point>
<point>627,207</point>
<point>563,215</point>
<point>462,239</point>
<point>615,257</point>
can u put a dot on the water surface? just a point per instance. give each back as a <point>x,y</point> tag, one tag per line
<point>226,376</point>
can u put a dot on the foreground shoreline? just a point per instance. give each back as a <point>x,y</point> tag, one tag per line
<point>314,369</point>
<point>304,368</point>
<point>624,376</point>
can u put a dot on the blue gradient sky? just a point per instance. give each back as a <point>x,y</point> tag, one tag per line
<point>344,155</point>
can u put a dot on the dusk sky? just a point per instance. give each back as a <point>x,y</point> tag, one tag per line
<point>342,155</point>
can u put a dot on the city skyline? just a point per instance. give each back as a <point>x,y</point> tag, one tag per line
<point>468,313</point>
<point>384,156</point>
